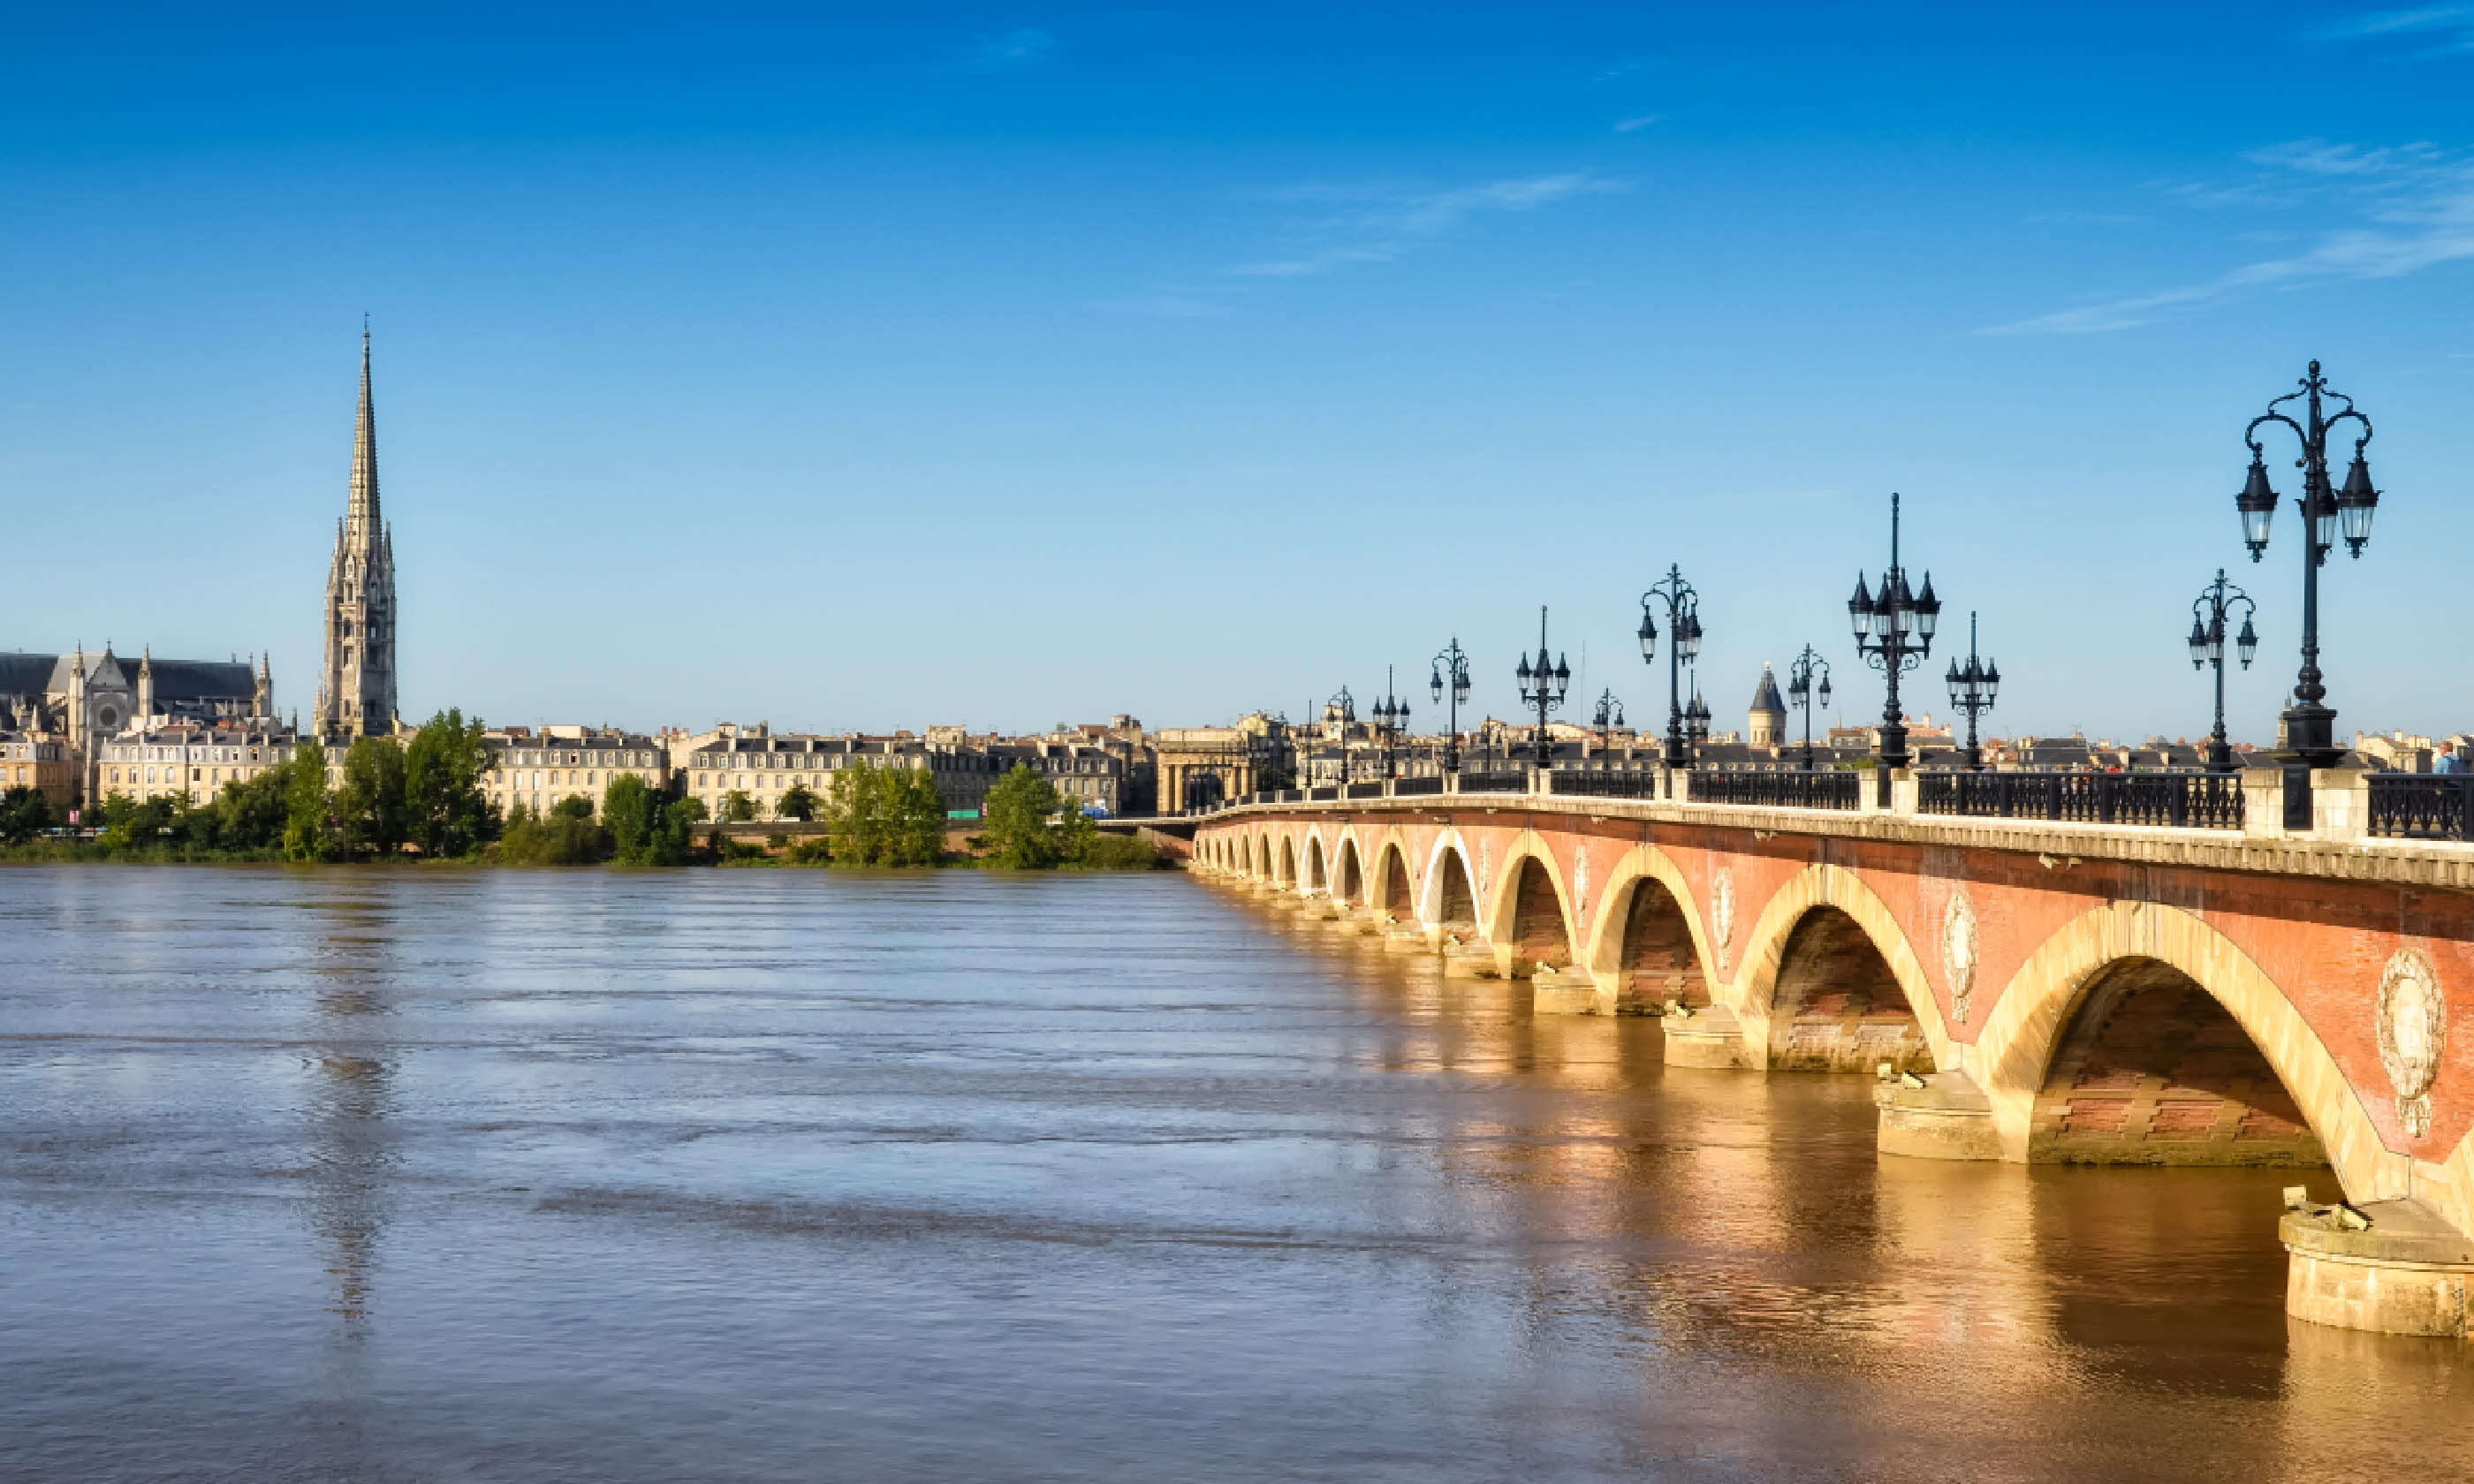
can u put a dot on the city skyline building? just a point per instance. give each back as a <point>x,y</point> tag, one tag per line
<point>356,685</point>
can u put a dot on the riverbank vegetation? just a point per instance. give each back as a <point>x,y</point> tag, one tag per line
<point>384,800</point>
<point>1031,827</point>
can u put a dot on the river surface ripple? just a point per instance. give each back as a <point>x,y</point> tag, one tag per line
<point>792,1175</point>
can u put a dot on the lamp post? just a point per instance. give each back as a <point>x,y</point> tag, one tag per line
<point>1451,666</point>
<point>1800,690</point>
<point>2305,732</point>
<point>1972,690</point>
<point>1543,687</point>
<point>1894,634</point>
<point>1610,715</point>
<point>1390,714</point>
<point>1339,714</point>
<point>2208,614</point>
<point>1683,624</point>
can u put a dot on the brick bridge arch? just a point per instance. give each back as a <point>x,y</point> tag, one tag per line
<point>2039,1008</point>
<point>1646,906</point>
<point>1812,914</point>
<point>1394,889</point>
<point>1449,897</point>
<point>1348,880</point>
<point>1530,911</point>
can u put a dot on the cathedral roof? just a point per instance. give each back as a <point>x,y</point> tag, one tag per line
<point>202,680</point>
<point>27,675</point>
<point>174,680</point>
<point>1765,696</point>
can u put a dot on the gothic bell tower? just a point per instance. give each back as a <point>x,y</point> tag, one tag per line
<point>357,695</point>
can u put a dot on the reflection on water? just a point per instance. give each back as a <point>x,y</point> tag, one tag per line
<point>384,1175</point>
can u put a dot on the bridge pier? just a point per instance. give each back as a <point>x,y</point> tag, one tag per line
<point>1564,992</point>
<point>1710,1036</point>
<point>2394,1267</point>
<point>1470,957</point>
<point>1945,1116</point>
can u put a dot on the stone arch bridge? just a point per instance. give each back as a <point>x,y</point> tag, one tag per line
<point>2029,992</point>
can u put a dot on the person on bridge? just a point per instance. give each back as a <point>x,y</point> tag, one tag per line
<point>2447,760</point>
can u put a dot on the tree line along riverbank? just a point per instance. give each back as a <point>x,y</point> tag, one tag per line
<point>388,801</point>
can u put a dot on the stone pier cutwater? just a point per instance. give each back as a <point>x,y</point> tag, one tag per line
<point>2027,990</point>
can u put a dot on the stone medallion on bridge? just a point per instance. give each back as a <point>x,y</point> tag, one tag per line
<point>1958,951</point>
<point>1722,913</point>
<point>2413,1032</point>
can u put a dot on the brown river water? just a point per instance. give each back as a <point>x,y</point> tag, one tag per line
<point>378,1175</point>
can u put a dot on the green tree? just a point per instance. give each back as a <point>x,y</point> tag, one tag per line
<point>1015,819</point>
<point>309,825</point>
<point>133,828</point>
<point>565,836</point>
<point>885,815</point>
<point>249,816</point>
<point>630,812</point>
<point>24,814</point>
<point>918,822</point>
<point>676,838</point>
<point>736,808</point>
<point>369,806</point>
<point>798,804</point>
<point>446,812</point>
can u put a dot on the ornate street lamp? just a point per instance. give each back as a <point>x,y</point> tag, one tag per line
<point>1452,665</point>
<point>1610,716</point>
<point>1972,690</point>
<point>2208,614</point>
<point>1683,624</point>
<point>2305,732</point>
<point>1543,687</point>
<point>1339,714</point>
<point>1894,632</point>
<point>1802,691</point>
<point>1390,715</point>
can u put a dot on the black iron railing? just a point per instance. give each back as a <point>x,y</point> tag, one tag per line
<point>1372,790</point>
<point>1494,782</point>
<point>1785,789</point>
<point>1315,795</point>
<point>1404,788</point>
<point>1635,784</point>
<point>2189,800</point>
<point>2422,805</point>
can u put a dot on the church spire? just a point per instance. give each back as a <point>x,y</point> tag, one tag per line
<point>365,448</point>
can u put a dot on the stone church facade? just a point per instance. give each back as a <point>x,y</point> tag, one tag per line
<point>82,701</point>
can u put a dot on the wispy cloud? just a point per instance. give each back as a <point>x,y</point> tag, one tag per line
<point>2456,21</point>
<point>2320,158</point>
<point>2382,23</point>
<point>1624,69</point>
<point>1637,121</point>
<point>1377,224</point>
<point>1004,51</point>
<point>2413,209</point>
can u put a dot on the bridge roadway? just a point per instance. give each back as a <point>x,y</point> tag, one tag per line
<point>2022,991</point>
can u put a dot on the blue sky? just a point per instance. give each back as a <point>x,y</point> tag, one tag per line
<point>862,367</point>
